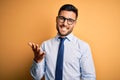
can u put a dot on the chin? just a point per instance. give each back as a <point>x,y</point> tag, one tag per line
<point>63,34</point>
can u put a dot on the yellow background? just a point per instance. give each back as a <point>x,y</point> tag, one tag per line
<point>22,21</point>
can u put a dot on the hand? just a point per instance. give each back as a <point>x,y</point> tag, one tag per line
<point>38,55</point>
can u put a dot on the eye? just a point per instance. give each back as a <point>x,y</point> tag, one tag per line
<point>70,20</point>
<point>61,17</point>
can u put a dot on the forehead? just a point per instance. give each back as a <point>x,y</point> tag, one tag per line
<point>67,14</point>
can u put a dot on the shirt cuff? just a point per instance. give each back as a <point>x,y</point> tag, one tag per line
<point>37,64</point>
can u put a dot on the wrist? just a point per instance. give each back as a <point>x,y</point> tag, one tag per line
<point>36,60</point>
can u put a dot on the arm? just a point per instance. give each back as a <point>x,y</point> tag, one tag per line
<point>87,65</point>
<point>37,69</point>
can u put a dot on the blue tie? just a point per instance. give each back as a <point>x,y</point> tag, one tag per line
<point>59,63</point>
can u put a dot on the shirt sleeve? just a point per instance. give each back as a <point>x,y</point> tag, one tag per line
<point>37,69</point>
<point>87,66</point>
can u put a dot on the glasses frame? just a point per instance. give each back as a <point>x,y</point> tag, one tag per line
<point>62,19</point>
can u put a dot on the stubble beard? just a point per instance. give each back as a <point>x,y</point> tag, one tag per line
<point>63,34</point>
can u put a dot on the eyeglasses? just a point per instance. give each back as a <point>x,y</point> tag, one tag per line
<point>62,19</point>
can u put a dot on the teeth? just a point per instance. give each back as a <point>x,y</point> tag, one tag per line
<point>64,28</point>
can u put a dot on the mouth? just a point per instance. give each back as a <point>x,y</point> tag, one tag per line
<point>63,29</point>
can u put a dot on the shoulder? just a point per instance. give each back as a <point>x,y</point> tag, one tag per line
<point>81,43</point>
<point>49,41</point>
<point>83,46</point>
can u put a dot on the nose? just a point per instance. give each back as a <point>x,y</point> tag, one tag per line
<point>65,22</point>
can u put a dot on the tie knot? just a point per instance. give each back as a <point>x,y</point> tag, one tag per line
<point>62,39</point>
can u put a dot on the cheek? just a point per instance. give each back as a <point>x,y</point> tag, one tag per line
<point>58,24</point>
<point>70,27</point>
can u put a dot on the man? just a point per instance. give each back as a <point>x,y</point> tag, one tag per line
<point>64,57</point>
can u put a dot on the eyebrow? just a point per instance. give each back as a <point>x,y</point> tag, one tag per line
<point>68,18</point>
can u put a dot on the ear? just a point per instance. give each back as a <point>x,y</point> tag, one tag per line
<point>75,23</point>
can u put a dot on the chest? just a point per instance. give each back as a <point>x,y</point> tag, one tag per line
<point>72,53</point>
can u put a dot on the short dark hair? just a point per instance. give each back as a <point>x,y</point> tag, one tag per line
<point>69,7</point>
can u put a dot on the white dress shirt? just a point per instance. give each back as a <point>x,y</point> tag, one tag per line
<point>78,63</point>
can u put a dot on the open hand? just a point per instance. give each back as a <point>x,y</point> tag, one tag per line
<point>38,55</point>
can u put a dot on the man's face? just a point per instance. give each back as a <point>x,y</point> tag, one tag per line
<point>65,22</point>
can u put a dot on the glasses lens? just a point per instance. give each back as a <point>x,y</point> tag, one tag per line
<point>70,21</point>
<point>61,19</point>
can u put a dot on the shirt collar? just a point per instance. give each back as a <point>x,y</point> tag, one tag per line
<point>69,37</point>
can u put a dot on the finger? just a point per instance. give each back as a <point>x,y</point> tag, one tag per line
<point>30,44</point>
<point>33,46</point>
<point>38,49</point>
<point>42,54</point>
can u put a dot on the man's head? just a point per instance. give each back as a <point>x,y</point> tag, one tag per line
<point>66,19</point>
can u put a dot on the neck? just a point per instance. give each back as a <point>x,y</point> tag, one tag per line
<point>62,36</point>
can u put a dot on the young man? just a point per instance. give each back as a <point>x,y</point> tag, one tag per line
<point>64,57</point>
